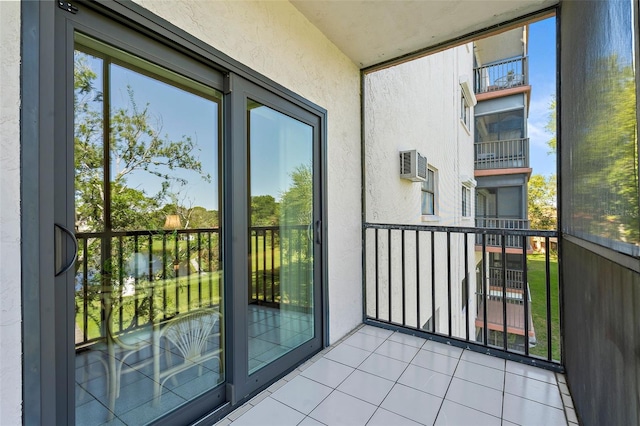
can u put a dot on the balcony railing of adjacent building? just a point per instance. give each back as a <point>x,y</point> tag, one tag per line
<point>420,279</point>
<point>495,240</point>
<point>501,75</point>
<point>506,154</point>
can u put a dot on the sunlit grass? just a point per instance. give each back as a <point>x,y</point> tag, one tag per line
<point>537,286</point>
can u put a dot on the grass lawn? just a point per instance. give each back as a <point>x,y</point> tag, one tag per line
<point>207,285</point>
<point>537,286</point>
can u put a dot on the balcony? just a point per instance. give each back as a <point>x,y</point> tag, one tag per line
<point>501,75</point>
<point>423,353</point>
<point>507,154</point>
<point>511,240</point>
<point>375,376</point>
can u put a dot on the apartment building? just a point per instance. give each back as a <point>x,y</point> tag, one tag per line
<point>502,171</point>
<point>423,106</point>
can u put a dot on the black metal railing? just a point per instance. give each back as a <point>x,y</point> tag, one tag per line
<point>422,279</point>
<point>278,251</point>
<point>506,154</point>
<point>501,75</point>
<point>514,277</point>
<point>176,270</point>
<point>511,241</point>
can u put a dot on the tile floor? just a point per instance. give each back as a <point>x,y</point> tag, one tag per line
<point>377,377</point>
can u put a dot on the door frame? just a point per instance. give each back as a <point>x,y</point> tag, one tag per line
<point>47,363</point>
<point>245,384</point>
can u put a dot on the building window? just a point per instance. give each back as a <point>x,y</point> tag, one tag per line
<point>429,194</point>
<point>465,111</point>
<point>466,201</point>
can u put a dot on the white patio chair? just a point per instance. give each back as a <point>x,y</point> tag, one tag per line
<point>185,336</point>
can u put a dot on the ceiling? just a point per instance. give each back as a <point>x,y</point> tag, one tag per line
<point>371,32</point>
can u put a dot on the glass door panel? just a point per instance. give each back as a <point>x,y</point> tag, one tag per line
<point>148,281</point>
<point>281,303</point>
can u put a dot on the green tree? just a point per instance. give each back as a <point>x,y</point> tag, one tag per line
<point>136,145</point>
<point>604,153</point>
<point>264,210</point>
<point>551,126</point>
<point>296,204</point>
<point>542,202</point>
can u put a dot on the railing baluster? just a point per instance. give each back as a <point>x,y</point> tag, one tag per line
<point>199,271</point>
<point>433,282</point>
<point>85,288</point>
<point>504,291</point>
<point>390,287</point>
<point>485,294</point>
<point>466,283</point>
<point>164,275</point>
<point>176,270</point>
<point>273,267</point>
<point>151,277</point>
<point>449,309</point>
<point>525,295</point>
<point>188,270</point>
<point>404,300</point>
<point>417,279</point>
<point>210,268</point>
<point>547,266</point>
<point>377,277</point>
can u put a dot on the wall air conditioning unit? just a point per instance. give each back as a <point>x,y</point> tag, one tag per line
<point>413,166</point>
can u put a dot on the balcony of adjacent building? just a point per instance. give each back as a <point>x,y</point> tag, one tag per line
<point>501,145</point>
<point>506,75</point>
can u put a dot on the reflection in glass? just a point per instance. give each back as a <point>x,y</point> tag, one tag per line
<point>280,313</point>
<point>148,280</point>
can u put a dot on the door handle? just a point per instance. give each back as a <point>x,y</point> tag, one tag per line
<point>59,254</point>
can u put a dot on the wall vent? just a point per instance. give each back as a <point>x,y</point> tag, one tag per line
<point>413,166</point>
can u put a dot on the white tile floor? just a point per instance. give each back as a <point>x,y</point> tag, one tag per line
<point>377,377</point>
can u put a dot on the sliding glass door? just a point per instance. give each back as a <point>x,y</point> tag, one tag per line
<point>149,317</point>
<point>187,239</point>
<point>280,315</point>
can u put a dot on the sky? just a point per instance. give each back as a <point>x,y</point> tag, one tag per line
<point>542,78</point>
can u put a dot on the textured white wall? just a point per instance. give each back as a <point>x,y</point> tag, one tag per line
<point>10,307</point>
<point>416,105</point>
<point>274,39</point>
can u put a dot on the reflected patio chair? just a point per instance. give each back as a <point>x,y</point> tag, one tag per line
<point>186,336</point>
<point>125,338</point>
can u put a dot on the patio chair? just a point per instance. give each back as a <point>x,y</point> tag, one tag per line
<point>124,339</point>
<point>185,336</point>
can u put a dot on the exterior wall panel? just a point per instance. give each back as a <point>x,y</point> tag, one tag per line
<point>601,337</point>
<point>601,286</point>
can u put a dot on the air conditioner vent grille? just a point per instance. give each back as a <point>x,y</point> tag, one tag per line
<point>413,166</point>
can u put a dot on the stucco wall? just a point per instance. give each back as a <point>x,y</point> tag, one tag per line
<point>416,105</point>
<point>10,311</point>
<point>274,39</point>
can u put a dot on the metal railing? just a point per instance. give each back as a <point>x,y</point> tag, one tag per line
<point>501,75</point>
<point>495,240</point>
<point>422,279</point>
<point>177,271</point>
<point>278,250</point>
<point>507,154</point>
<point>514,277</point>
